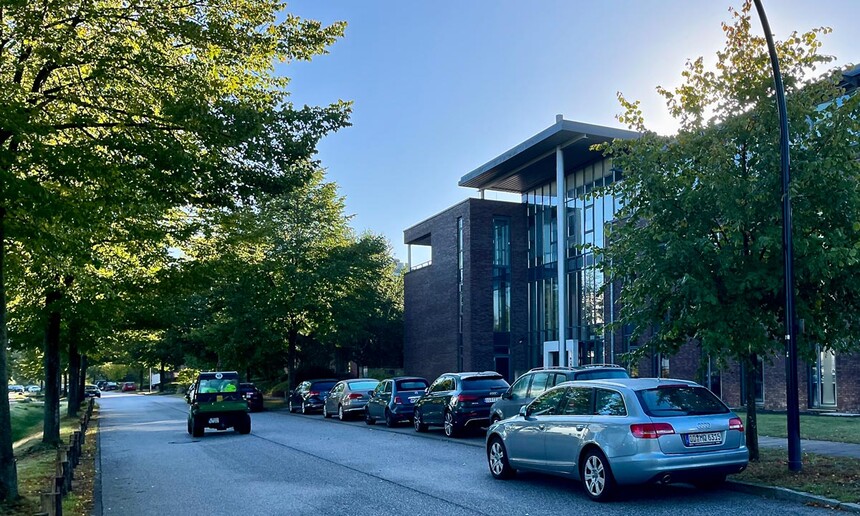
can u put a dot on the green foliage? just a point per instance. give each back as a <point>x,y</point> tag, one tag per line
<point>698,244</point>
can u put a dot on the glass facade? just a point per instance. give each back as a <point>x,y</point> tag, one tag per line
<point>587,213</point>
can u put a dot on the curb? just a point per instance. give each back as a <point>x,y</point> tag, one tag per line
<point>782,493</point>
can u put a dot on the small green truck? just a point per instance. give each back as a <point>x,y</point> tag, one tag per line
<point>217,403</point>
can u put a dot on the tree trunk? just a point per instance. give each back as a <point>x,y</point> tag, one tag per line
<point>72,402</point>
<point>83,381</point>
<point>8,469</point>
<point>752,424</point>
<point>291,359</point>
<point>160,377</point>
<point>51,426</point>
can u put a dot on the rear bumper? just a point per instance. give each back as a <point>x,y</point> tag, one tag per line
<point>659,467</point>
<point>473,417</point>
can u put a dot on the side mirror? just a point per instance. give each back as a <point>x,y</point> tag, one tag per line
<point>507,395</point>
<point>524,411</point>
<point>427,390</point>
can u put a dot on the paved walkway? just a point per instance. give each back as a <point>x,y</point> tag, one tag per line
<point>810,446</point>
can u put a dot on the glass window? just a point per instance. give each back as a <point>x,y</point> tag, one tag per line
<point>609,403</point>
<point>578,401</point>
<point>411,385</point>
<point>595,375</point>
<point>481,383</point>
<point>680,400</point>
<point>539,384</point>
<point>321,386</point>
<point>521,387</point>
<point>547,403</point>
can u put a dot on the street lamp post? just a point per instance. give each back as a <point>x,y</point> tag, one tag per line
<point>794,458</point>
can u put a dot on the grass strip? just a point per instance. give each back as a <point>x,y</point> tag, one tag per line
<point>819,428</point>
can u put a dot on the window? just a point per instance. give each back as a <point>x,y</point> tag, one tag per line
<point>547,403</point>
<point>609,403</point>
<point>520,388</point>
<point>481,383</point>
<point>539,381</point>
<point>578,401</point>
<point>363,385</point>
<point>380,388</point>
<point>446,383</point>
<point>411,385</point>
<point>680,400</point>
<point>386,387</point>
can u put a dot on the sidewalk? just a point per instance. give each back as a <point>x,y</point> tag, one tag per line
<point>833,449</point>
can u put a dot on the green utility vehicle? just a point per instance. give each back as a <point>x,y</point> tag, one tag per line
<point>217,403</point>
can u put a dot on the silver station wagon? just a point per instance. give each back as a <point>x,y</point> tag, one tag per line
<point>612,432</point>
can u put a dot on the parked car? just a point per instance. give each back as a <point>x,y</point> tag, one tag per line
<point>101,384</point>
<point>92,391</point>
<point>459,400</point>
<point>110,386</point>
<point>349,397</point>
<point>252,395</point>
<point>33,389</point>
<point>533,383</point>
<point>128,386</point>
<point>217,403</point>
<point>17,389</point>
<point>608,433</point>
<point>310,395</point>
<point>394,399</point>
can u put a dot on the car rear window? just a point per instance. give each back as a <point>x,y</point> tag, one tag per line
<point>411,385</point>
<point>597,375</point>
<point>680,400</point>
<point>363,386</point>
<point>322,386</point>
<point>483,383</point>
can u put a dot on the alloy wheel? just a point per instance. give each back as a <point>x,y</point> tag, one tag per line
<point>594,476</point>
<point>497,455</point>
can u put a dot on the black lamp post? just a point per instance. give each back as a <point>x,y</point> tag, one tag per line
<point>795,462</point>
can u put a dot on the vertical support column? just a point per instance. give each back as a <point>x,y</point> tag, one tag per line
<point>408,257</point>
<point>561,246</point>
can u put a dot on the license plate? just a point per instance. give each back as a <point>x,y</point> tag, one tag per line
<point>705,439</point>
<point>213,420</point>
<point>492,399</point>
<point>413,399</point>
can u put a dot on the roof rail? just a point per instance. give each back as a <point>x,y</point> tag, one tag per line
<point>546,368</point>
<point>603,365</point>
<point>571,368</point>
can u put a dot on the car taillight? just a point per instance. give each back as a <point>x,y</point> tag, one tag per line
<point>398,401</point>
<point>651,430</point>
<point>354,396</point>
<point>313,393</point>
<point>463,398</point>
<point>735,423</point>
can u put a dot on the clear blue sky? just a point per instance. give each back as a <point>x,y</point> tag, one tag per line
<point>440,87</point>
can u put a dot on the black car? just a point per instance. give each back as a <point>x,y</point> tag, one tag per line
<point>531,384</point>
<point>253,395</point>
<point>459,400</point>
<point>394,399</point>
<point>310,395</point>
<point>92,391</point>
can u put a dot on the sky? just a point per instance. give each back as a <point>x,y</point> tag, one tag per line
<point>440,87</point>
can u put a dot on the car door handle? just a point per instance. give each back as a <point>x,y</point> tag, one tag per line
<point>541,427</point>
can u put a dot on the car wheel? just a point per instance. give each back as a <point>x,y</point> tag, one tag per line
<point>368,418</point>
<point>596,476</point>
<point>305,410</point>
<point>244,424</point>
<point>190,430</point>
<point>340,413</point>
<point>292,409</point>
<point>451,427</point>
<point>390,422</point>
<point>417,423</point>
<point>196,427</point>
<point>497,459</point>
<point>710,482</point>
<point>325,413</point>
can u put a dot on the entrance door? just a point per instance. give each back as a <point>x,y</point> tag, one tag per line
<point>551,353</point>
<point>827,372</point>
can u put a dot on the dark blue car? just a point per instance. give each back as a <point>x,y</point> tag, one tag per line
<point>394,400</point>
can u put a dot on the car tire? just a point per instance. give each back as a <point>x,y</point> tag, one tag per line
<point>197,428</point>
<point>368,418</point>
<point>596,476</point>
<point>452,429</point>
<point>341,415</point>
<point>292,409</point>
<point>243,426</point>
<point>710,482</point>
<point>325,413</point>
<point>305,410</point>
<point>390,422</point>
<point>190,429</point>
<point>417,423</point>
<point>497,460</point>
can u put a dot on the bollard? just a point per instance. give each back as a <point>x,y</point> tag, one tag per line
<point>60,484</point>
<point>52,504</point>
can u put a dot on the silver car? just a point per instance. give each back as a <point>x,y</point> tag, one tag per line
<point>613,432</point>
<point>349,397</point>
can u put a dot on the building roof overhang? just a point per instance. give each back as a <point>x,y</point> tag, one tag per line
<point>532,162</point>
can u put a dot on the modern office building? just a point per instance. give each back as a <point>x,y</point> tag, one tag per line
<point>509,286</point>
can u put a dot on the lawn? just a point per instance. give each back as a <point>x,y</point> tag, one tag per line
<point>833,477</point>
<point>821,428</point>
<point>27,417</point>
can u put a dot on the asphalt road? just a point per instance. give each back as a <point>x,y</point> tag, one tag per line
<point>306,465</point>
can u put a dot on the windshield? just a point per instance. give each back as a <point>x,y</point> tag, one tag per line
<point>212,385</point>
<point>478,384</point>
<point>674,400</point>
<point>411,385</point>
<point>363,386</point>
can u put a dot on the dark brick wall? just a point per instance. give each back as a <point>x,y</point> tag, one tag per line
<point>848,382</point>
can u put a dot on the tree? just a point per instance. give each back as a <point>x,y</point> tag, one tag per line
<point>113,114</point>
<point>698,244</point>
